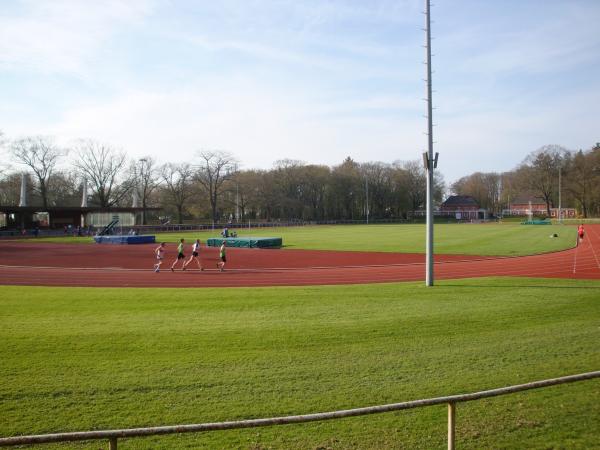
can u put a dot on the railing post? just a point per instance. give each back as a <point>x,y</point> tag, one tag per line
<point>451,424</point>
<point>112,443</point>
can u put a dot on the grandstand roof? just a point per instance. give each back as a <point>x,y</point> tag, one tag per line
<point>460,200</point>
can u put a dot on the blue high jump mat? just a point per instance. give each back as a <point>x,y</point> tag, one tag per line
<point>537,222</point>
<point>246,242</point>
<point>141,239</point>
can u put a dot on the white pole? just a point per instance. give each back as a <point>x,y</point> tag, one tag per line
<point>559,195</point>
<point>84,194</point>
<point>429,236</point>
<point>367,197</point>
<point>451,425</point>
<point>23,197</point>
<point>237,202</point>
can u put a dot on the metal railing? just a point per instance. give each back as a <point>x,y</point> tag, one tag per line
<point>113,435</point>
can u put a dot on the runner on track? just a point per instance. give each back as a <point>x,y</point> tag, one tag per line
<point>580,232</point>
<point>160,255</point>
<point>195,255</point>
<point>180,254</point>
<point>222,256</point>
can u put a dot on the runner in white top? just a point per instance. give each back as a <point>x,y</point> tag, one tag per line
<point>195,255</point>
<point>160,255</point>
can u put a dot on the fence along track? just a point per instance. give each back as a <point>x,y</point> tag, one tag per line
<point>451,401</point>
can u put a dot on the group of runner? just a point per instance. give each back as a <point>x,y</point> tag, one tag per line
<point>160,255</point>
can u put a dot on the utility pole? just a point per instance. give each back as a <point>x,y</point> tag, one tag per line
<point>237,201</point>
<point>559,195</point>
<point>428,157</point>
<point>367,197</point>
<point>144,161</point>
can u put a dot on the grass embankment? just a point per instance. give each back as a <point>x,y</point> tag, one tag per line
<point>468,239</point>
<point>77,359</point>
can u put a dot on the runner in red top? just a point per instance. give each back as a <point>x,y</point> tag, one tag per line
<point>581,232</point>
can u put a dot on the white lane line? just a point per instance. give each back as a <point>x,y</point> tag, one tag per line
<point>593,250</point>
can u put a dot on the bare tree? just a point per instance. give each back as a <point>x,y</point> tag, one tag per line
<point>41,155</point>
<point>215,169</point>
<point>146,180</point>
<point>178,184</point>
<point>346,187</point>
<point>243,190</point>
<point>483,187</point>
<point>66,188</point>
<point>4,167</point>
<point>10,188</point>
<point>416,184</point>
<point>540,172</point>
<point>102,165</point>
<point>581,177</point>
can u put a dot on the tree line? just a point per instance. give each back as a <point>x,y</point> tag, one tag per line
<point>212,187</point>
<point>551,173</point>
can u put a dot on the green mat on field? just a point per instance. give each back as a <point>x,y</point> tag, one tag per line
<point>537,222</point>
<point>246,242</point>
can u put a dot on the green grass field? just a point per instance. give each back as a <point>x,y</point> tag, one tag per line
<point>470,239</point>
<point>78,359</point>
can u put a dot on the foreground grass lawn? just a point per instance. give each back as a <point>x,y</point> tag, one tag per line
<point>470,239</point>
<point>77,359</point>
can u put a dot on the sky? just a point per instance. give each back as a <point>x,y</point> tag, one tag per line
<point>310,80</point>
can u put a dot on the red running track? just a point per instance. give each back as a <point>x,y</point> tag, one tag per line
<point>43,264</point>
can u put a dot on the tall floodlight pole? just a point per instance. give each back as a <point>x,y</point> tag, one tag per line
<point>429,161</point>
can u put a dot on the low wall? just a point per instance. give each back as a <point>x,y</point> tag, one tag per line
<point>143,239</point>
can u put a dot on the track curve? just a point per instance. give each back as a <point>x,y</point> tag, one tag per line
<point>44,264</point>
